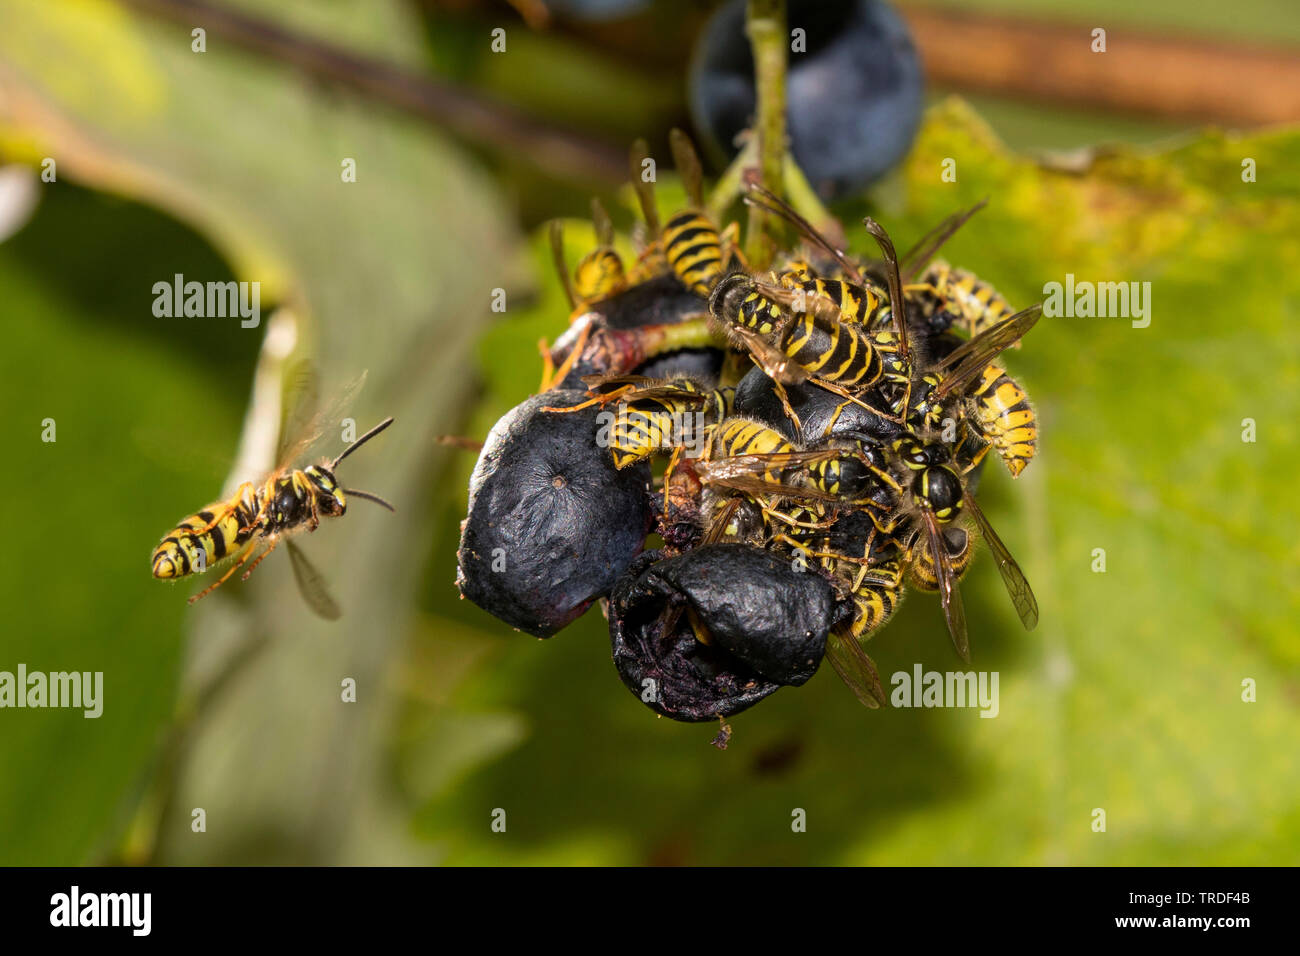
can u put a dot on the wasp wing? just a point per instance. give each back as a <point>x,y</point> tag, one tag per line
<point>855,668</point>
<point>773,203</point>
<point>961,366</point>
<point>556,233</point>
<point>775,364</point>
<point>1022,595</point>
<point>646,388</point>
<point>311,584</point>
<point>303,420</point>
<point>919,256</point>
<point>949,595</point>
<point>756,485</point>
<point>717,529</point>
<point>795,301</point>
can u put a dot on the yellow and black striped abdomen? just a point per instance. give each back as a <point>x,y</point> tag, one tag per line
<point>1006,418</point>
<point>833,351</point>
<point>873,604</point>
<point>971,300</point>
<point>639,431</point>
<point>654,424</point>
<point>693,247</point>
<point>858,304</point>
<point>921,571</point>
<point>739,436</point>
<point>977,301</point>
<point>201,540</point>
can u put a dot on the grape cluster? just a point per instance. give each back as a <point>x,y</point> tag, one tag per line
<point>802,442</point>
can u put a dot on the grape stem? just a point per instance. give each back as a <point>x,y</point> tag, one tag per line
<point>765,27</point>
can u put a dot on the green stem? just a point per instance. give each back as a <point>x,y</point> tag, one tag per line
<point>765,26</point>
<point>732,182</point>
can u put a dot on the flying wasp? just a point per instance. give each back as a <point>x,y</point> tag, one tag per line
<point>285,502</point>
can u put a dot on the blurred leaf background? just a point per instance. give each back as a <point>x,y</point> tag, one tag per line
<point>227,165</point>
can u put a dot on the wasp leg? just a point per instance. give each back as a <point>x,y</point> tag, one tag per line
<point>548,365</point>
<point>260,558</point>
<point>558,375</point>
<point>668,475</point>
<point>225,511</point>
<point>243,556</point>
<point>844,393</point>
<point>785,404</point>
<point>775,515</point>
<point>604,398</point>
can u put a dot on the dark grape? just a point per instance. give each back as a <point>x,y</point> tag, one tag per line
<point>854,97</point>
<point>551,524</point>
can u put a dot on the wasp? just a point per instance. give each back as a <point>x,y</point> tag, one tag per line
<point>692,247</point>
<point>936,549</point>
<point>844,473</point>
<point>287,501</point>
<point>792,346</point>
<point>654,415</point>
<point>856,295</point>
<point>844,335</point>
<point>993,401</point>
<point>866,563</point>
<point>865,567</point>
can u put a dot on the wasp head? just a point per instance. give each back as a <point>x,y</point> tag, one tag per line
<point>330,499</point>
<point>728,295</point>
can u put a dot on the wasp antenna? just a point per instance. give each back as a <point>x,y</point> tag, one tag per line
<point>775,204</point>
<point>645,190</point>
<point>687,161</point>
<point>369,497</point>
<point>603,224</point>
<point>897,304</point>
<point>919,256</point>
<point>361,441</point>
<point>561,267</point>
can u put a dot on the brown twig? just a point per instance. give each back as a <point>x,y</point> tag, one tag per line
<point>1179,78</point>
